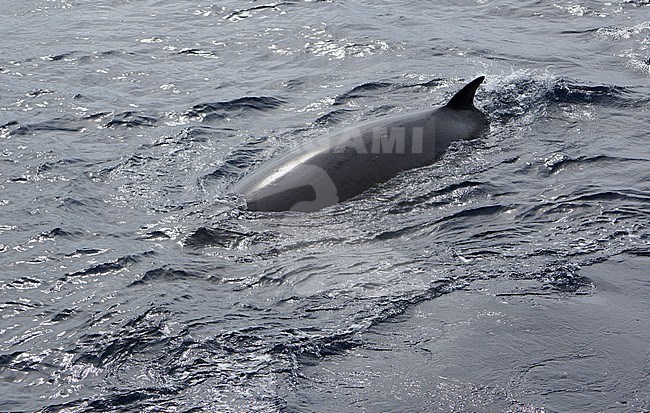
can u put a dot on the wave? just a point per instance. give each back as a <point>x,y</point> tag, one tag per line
<point>248,12</point>
<point>331,118</point>
<point>361,91</point>
<point>235,107</point>
<point>604,95</point>
<point>163,274</point>
<point>559,163</point>
<point>427,200</point>
<point>221,237</point>
<point>382,87</point>
<point>110,267</point>
<point>130,119</point>
<point>59,124</point>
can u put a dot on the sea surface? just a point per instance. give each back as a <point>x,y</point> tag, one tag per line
<point>511,276</point>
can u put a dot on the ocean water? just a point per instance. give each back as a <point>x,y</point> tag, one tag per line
<point>512,275</point>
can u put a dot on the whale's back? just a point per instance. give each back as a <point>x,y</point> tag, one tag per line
<point>344,164</point>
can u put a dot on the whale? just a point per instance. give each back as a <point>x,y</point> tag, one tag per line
<point>345,163</point>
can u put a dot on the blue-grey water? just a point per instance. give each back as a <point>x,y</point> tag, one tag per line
<point>512,275</point>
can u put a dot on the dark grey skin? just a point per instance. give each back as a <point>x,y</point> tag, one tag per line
<point>344,164</point>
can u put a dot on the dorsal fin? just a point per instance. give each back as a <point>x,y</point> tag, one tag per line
<point>464,99</point>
